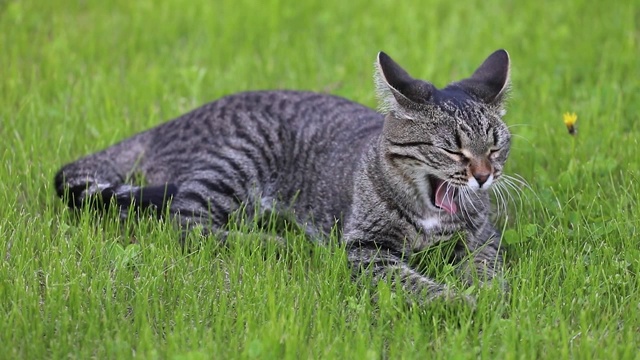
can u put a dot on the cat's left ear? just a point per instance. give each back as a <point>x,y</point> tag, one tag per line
<point>490,82</point>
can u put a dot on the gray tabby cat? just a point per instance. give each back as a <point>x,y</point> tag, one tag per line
<point>393,183</point>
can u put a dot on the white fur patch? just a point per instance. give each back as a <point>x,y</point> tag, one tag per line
<point>488,183</point>
<point>473,183</point>
<point>429,223</point>
<point>266,203</point>
<point>126,189</point>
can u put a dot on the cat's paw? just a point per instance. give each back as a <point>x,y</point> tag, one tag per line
<point>449,298</point>
<point>79,196</point>
<point>501,283</point>
<point>461,299</point>
<point>497,282</point>
<point>127,197</point>
<point>451,301</point>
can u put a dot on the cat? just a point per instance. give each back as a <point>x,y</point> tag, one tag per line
<point>392,182</point>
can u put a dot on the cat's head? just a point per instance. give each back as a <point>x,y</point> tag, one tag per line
<point>451,141</point>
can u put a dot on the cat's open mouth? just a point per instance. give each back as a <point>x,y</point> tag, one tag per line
<point>443,195</point>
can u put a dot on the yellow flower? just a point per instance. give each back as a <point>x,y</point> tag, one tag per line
<point>570,121</point>
<point>570,118</point>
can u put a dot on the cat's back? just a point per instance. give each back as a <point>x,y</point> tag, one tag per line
<point>298,147</point>
<point>296,115</point>
<point>298,109</point>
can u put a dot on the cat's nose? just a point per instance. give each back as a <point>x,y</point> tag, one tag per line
<point>481,178</point>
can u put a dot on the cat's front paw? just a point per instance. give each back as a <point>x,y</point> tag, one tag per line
<point>461,299</point>
<point>501,283</point>
<point>448,298</point>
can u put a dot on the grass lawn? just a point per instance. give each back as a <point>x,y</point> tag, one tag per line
<point>76,76</point>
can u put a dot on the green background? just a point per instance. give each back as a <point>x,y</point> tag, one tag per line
<point>76,76</point>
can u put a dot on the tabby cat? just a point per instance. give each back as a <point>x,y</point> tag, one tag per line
<point>392,182</point>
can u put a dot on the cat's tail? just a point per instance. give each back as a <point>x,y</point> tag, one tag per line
<point>100,179</point>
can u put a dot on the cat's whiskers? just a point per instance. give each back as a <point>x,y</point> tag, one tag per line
<point>501,200</point>
<point>511,126</point>
<point>466,200</point>
<point>468,192</point>
<point>506,197</point>
<point>448,187</point>
<point>511,183</point>
<point>516,178</point>
<point>522,137</point>
<point>511,186</point>
<point>503,197</point>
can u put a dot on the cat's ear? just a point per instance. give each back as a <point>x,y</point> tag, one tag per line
<point>397,90</point>
<point>490,82</point>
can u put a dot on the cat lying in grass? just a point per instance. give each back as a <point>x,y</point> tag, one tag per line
<point>392,182</point>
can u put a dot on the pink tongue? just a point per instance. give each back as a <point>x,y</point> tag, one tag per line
<point>444,198</point>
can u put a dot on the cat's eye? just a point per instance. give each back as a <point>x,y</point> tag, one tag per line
<point>454,153</point>
<point>493,152</point>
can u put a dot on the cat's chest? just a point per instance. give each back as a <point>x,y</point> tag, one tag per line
<point>434,229</point>
<point>439,223</point>
<point>430,223</point>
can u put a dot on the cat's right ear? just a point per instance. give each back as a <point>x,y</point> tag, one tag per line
<point>397,91</point>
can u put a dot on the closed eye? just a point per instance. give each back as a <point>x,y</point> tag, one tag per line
<point>458,156</point>
<point>410,143</point>
<point>406,157</point>
<point>453,152</point>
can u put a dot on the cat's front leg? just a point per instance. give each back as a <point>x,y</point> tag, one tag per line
<point>382,265</point>
<point>480,257</point>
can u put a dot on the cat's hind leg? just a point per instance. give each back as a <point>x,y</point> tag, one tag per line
<point>207,199</point>
<point>102,175</point>
<point>155,198</point>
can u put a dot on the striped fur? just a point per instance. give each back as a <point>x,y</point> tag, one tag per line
<point>392,182</point>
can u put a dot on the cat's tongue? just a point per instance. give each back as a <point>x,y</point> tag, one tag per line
<point>444,197</point>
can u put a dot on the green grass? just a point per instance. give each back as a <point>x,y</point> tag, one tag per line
<point>76,76</point>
